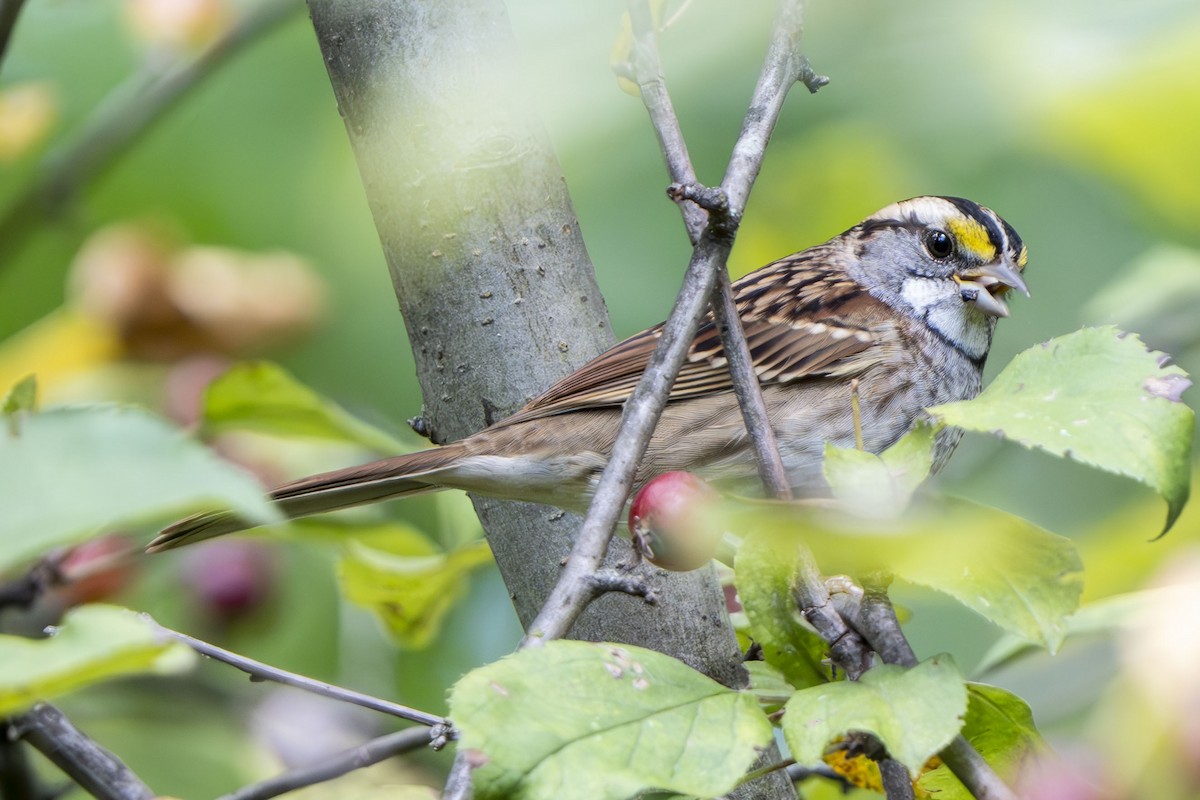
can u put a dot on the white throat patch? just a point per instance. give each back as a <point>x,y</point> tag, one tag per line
<point>946,312</point>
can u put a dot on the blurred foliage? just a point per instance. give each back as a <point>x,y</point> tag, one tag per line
<point>95,643</point>
<point>1077,121</point>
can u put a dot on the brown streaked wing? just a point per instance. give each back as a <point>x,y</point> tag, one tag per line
<point>801,318</point>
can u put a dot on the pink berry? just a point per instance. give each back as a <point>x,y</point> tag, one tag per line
<point>666,522</point>
<point>230,578</point>
<point>98,569</point>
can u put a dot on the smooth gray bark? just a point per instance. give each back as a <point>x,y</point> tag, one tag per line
<point>492,277</point>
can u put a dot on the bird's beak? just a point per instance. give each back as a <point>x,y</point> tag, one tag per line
<point>986,286</point>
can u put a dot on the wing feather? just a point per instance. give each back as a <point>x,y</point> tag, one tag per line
<point>802,318</point>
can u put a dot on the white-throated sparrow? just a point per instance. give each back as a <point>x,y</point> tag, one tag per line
<point>905,302</point>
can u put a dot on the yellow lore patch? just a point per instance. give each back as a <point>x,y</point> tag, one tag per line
<point>972,237</point>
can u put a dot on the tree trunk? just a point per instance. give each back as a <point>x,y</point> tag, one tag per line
<point>496,288</point>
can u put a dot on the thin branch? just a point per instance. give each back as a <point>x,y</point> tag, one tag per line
<point>94,769</point>
<point>748,391</point>
<point>878,623</point>
<point>335,766</point>
<point>755,774</point>
<point>458,783</point>
<point>24,590</point>
<point>897,785</point>
<point>259,671</point>
<point>619,580</point>
<point>646,70</point>
<point>694,201</point>
<point>846,647</point>
<point>571,594</point>
<point>127,112</point>
<point>9,10</point>
<point>724,209</point>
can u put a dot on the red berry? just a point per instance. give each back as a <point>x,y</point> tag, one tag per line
<point>666,522</point>
<point>98,569</point>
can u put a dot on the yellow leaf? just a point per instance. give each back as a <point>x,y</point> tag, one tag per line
<point>27,112</point>
<point>57,347</point>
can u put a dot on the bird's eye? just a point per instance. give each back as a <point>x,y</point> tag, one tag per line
<point>939,244</point>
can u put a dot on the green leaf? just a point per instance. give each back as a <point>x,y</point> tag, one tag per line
<point>263,397</point>
<point>1000,726</point>
<point>406,581</point>
<point>880,485</point>
<point>1100,397</point>
<point>1103,616</point>
<point>769,685</point>
<point>583,721</point>
<point>914,712</point>
<point>1005,568</point>
<point>21,397</point>
<point>766,567</point>
<point>69,473</point>
<point>94,643</point>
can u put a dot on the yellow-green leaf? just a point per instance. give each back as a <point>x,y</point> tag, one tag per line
<point>22,396</point>
<point>93,644</point>
<point>880,485</point>
<point>407,582</point>
<point>1019,576</point>
<point>766,568</point>
<point>262,397</point>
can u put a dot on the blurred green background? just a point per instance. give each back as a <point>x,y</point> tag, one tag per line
<point>1079,122</point>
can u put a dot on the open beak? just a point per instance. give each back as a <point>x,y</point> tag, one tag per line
<point>986,286</point>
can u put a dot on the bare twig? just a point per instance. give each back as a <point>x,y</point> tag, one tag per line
<point>748,391</point>
<point>335,766</point>
<point>571,594</point>
<point>694,201</point>
<point>264,672</point>
<point>619,580</point>
<point>646,70</point>
<point>96,770</point>
<point>897,785</point>
<point>9,9</point>
<point>128,111</point>
<point>724,208</point>
<point>846,646</point>
<point>458,784</point>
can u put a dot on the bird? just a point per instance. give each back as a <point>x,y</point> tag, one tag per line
<point>899,310</point>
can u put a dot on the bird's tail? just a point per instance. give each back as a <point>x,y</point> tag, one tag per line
<point>409,474</point>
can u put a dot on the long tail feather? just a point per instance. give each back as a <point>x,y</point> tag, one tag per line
<point>409,474</point>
